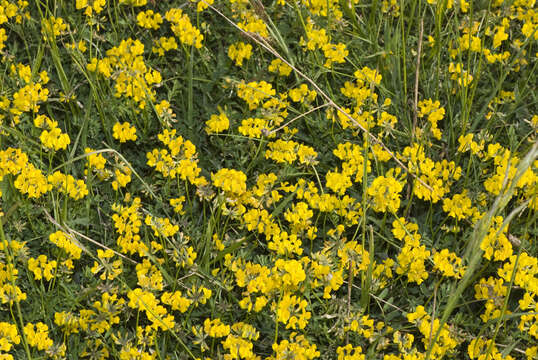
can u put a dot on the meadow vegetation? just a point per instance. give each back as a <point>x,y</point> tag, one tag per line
<point>268,179</point>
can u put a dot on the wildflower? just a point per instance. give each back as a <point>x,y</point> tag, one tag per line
<point>334,53</point>
<point>230,180</point>
<point>296,347</point>
<point>299,216</point>
<point>254,127</point>
<point>316,38</point>
<point>177,203</point>
<point>40,267</point>
<point>302,94</point>
<point>288,151</point>
<point>254,92</point>
<point>64,241</point>
<point>156,313</point>
<point>291,311</point>
<point>384,192</point>
<point>149,277</point>
<point>253,24</point>
<point>411,261</point>
<point>290,273</point>
<point>124,132</point>
<point>161,226</point>
<point>90,6</point>
<point>38,336</point>
<point>202,5</point>
<point>277,66</point>
<point>149,20</point>
<point>55,139</point>
<point>110,269</point>
<point>459,206</point>
<point>162,45</point>
<point>32,182</point>
<point>182,27</point>
<point>9,336</point>
<point>338,182</point>
<point>496,244</point>
<point>217,123</point>
<point>352,156</point>
<point>67,184</point>
<point>448,264</point>
<point>434,113</point>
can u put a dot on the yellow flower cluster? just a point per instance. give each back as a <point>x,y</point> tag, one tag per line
<point>149,19</point>
<point>412,255</point>
<point>38,336</point>
<point>217,123</point>
<point>52,136</point>
<point>448,264</point>
<point>161,226</point>
<point>176,301</point>
<point>384,193</point>
<point>466,143</point>
<point>64,241</point>
<point>90,6</point>
<point>302,94</point>
<point>28,98</point>
<point>437,175</point>
<point>67,184</point>
<point>291,311</point>
<point>163,44</point>
<point>482,349</point>
<point>149,277</point>
<point>133,78</point>
<point>40,267</point>
<point>28,179</point>
<point>52,27</point>
<point>349,352</point>
<point>232,182</point>
<point>445,344</point>
<point>127,223</point>
<point>147,302</point>
<point>461,76</point>
<point>352,156</point>
<point>297,347</point>
<point>459,206</point>
<point>182,27</point>
<point>496,244</point>
<point>434,112</point>
<point>179,159</point>
<point>277,66</point>
<point>123,132</point>
<point>239,52</point>
<point>109,269</point>
<point>9,336</point>
<point>283,151</point>
<point>254,127</point>
<point>494,291</point>
<point>254,92</point>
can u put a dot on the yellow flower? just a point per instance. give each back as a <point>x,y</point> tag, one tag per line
<point>217,123</point>
<point>182,27</point>
<point>124,132</point>
<point>338,182</point>
<point>254,92</point>
<point>291,310</point>
<point>230,180</point>
<point>38,336</point>
<point>149,20</point>
<point>385,194</point>
<point>277,66</point>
